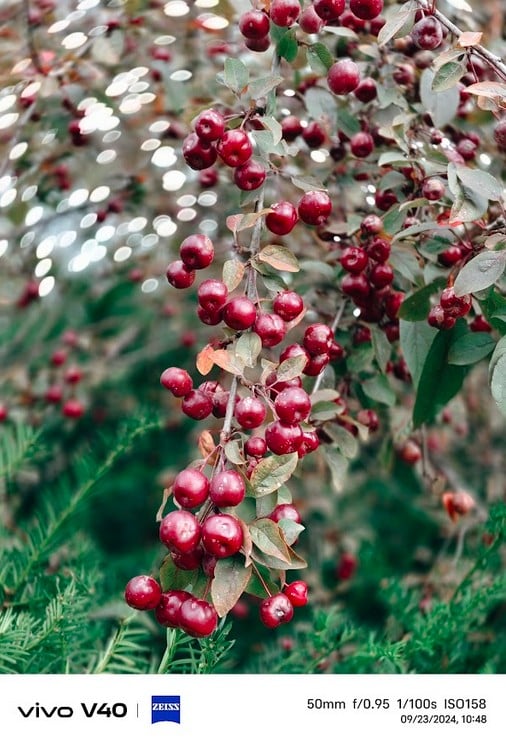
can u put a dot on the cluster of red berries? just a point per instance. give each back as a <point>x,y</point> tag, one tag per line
<point>450,307</point>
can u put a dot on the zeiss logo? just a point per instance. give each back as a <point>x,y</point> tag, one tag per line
<point>166,708</point>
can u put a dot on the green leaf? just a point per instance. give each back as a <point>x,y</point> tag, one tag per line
<point>308,183</point>
<point>448,75</point>
<point>172,577</point>
<point>266,535</point>
<point>479,181</point>
<point>287,47</point>
<point>229,583</point>
<point>233,273</point>
<point>471,348</point>
<point>338,466</point>
<point>480,272</point>
<point>236,75</point>
<point>442,106</point>
<point>399,21</point>
<point>319,58</point>
<point>439,381</point>
<point>497,375</point>
<point>290,530</point>
<point>406,263</point>
<point>291,367</point>
<point>382,347</point>
<point>260,87</point>
<point>378,388</point>
<point>320,103</point>
<point>347,122</point>
<point>279,257</point>
<point>233,452</point>
<point>416,229</point>
<point>248,348</point>
<point>271,472</point>
<point>343,439</point>
<point>415,341</point>
<point>325,411</point>
<point>294,563</point>
<point>274,127</point>
<point>416,307</point>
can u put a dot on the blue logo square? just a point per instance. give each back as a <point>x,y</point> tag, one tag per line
<point>166,708</point>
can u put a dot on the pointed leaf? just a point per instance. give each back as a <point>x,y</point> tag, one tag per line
<point>266,535</point>
<point>248,348</point>
<point>271,472</point>
<point>480,272</point>
<point>233,273</point>
<point>497,374</point>
<point>230,580</point>
<point>279,257</point>
<point>399,21</point>
<point>415,340</point>
<point>471,348</point>
<point>291,367</point>
<point>236,75</point>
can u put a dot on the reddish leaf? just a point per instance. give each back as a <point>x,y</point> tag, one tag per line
<point>230,580</point>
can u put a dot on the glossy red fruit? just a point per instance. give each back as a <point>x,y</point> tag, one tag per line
<point>209,125</point>
<point>310,22</point>
<point>288,305</point>
<point>197,405</point>
<point>143,593</point>
<point>73,408</point>
<point>270,328</point>
<point>251,175</point>
<point>427,33</point>
<point>180,530</point>
<point>372,224</point>
<point>283,439</point>
<point>369,418</point>
<point>291,351</point>
<point>346,567</point>
<point>239,313</point>
<point>198,618</point>
<point>329,10</point>
<point>209,317</point>
<point>258,45</point>
<point>440,319</point>
<point>354,259</point>
<point>467,148</point>
<point>73,375</point>
<point>310,442</point>
<point>314,207</point>
<point>449,257</point>
<point>191,488</point>
<point>296,593</point>
<point>282,219</point>
<point>197,251</point>
<point>480,324</point>
<point>379,250</point>
<point>285,511</point>
<point>53,395</point>
<point>500,133</point>
<point>366,90</point>
<point>284,12</point>
<point>314,135</point>
<point>227,488</point>
<point>254,24</point>
<point>381,275</point>
<point>250,412</point>
<point>291,127</point>
<point>410,452</point>
<point>433,189</point>
<point>292,405</point>
<point>198,154</point>
<point>177,380</point>
<point>255,446</point>
<point>343,77</point>
<point>366,9</point>
<point>455,305</point>
<point>178,275</point>
<point>316,364</point>
<point>212,294</point>
<point>222,535</point>
<point>361,145</point>
<point>59,357</point>
<point>318,339</point>
<point>276,610</point>
<point>167,611</point>
<point>234,148</point>
<point>187,561</point>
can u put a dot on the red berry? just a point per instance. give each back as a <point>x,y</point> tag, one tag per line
<point>369,418</point>
<point>255,446</point>
<point>346,567</point>
<point>234,148</point>
<point>291,351</point>
<point>480,324</point>
<point>210,317</point>
<point>191,488</point>
<point>393,303</point>
<point>284,12</point>
<point>180,531</point>
<point>73,408</point>
<point>212,294</point>
<point>343,77</point>
<point>310,442</point>
<point>197,618</point>
<point>381,275</point>
<point>361,145</point>
<point>309,21</point>
<point>385,199</point>
<point>53,395</point>
<point>251,175</point>
<point>467,148</point>
<point>143,593</point>
<point>500,133</point>
<point>283,439</point>
<point>455,305</point>
<point>292,405</point>
<point>177,380</point>
<point>209,125</point>
<point>227,488</point>
<point>178,275</point>
<point>288,305</point>
<point>366,90</point>
<point>222,535</point>
<point>239,313</point>
<point>259,45</point>
<point>314,135</point>
<point>197,405</point>
<point>379,250</point>
<point>167,611</point>
<point>291,128</point>
<point>449,257</point>
<point>270,328</point>
<point>433,189</point>
<point>314,207</point>
<point>366,9</point>
<point>329,10</point>
<point>296,593</point>
<point>197,251</point>
<point>318,339</point>
<point>410,452</point>
<point>427,33</point>
<point>440,319</point>
<point>372,224</point>
<point>285,511</point>
<point>282,219</point>
<point>276,610</point>
<point>254,24</point>
<point>316,364</point>
<point>197,153</point>
<point>354,259</point>
<point>250,412</point>
<point>59,357</point>
<point>187,561</point>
